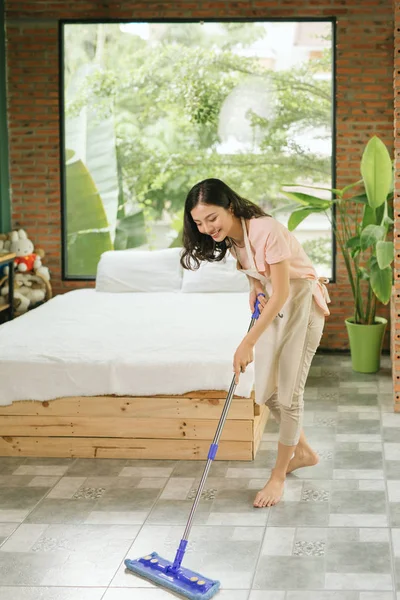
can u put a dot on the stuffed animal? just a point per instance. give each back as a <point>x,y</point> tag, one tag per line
<point>29,290</point>
<point>4,243</point>
<point>21,302</point>
<point>31,286</point>
<point>26,259</point>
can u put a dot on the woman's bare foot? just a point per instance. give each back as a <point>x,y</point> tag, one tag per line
<point>271,492</point>
<point>302,458</point>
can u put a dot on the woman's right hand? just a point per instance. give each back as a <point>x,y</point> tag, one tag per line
<point>253,299</point>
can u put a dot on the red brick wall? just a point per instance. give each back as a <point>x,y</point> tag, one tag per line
<point>364,101</point>
<point>395,312</point>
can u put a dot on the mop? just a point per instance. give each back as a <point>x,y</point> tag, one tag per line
<point>172,575</point>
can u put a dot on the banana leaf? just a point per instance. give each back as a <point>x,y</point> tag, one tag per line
<point>131,232</point>
<point>86,221</point>
<point>92,138</point>
<point>376,171</point>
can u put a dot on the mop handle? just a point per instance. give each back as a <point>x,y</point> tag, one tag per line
<point>211,455</point>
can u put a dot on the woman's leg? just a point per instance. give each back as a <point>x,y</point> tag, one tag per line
<point>289,434</point>
<point>293,449</point>
<point>304,455</point>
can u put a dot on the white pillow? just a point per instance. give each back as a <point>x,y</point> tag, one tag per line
<point>221,276</point>
<point>139,271</point>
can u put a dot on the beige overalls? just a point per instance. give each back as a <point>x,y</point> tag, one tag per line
<point>284,352</point>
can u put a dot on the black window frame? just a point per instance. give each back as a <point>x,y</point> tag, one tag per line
<point>63,22</point>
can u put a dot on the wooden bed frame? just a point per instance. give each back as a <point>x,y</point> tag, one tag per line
<point>159,427</point>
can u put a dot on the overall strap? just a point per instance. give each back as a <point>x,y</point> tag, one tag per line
<point>248,248</point>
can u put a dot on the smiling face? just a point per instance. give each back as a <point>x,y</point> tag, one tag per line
<point>215,221</point>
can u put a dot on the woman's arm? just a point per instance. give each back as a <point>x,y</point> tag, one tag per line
<point>280,293</point>
<point>280,286</point>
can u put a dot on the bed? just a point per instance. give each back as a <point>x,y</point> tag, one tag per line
<point>137,368</point>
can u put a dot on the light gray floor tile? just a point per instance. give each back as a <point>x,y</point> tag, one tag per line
<point>376,596</point>
<point>176,512</point>
<point>46,481</point>
<point>90,554</point>
<point>392,468</point>
<point>44,470</point>
<point>293,514</point>
<point>83,467</point>
<point>177,488</point>
<point>374,534</point>
<point>16,481</point>
<point>26,569</point>
<point>358,474</point>
<point>152,482</point>
<point>105,517</point>
<point>264,595</point>
<point>394,514</point>
<point>160,594</point>
<point>61,511</point>
<point>332,595</point>
<point>12,516</point>
<point>290,573</point>
<point>9,464</point>
<point>393,490</point>
<point>357,581</point>
<point>278,541</point>
<point>20,498</point>
<point>358,520</point>
<point>51,593</point>
<point>24,538</point>
<point>358,502</point>
<point>6,529</point>
<point>144,471</point>
<point>66,487</point>
<point>357,460</point>
<point>358,557</point>
<point>392,450</point>
<point>373,485</point>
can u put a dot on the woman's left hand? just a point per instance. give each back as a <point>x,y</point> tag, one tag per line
<point>243,357</point>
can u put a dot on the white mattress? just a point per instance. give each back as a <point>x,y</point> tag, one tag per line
<point>87,343</point>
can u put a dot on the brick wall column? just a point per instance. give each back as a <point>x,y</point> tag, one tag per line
<point>395,307</point>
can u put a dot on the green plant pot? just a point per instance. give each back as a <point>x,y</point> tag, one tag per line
<point>366,344</point>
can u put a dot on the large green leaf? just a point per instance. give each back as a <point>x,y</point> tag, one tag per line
<point>299,215</point>
<point>94,143</point>
<point>359,199</point>
<point>86,222</point>
<point>371,235</point>
<point>307,200</point>
<point>381,281</point>
<point>369,217</point>
<point>131,231</point>
<point>353,242</point>
<point>315,187</point>
<point>376,170</point>
<point>363,273</point>
<point>84,251</point>
<point>384,254</point>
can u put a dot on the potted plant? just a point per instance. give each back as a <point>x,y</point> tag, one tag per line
<point>361,224</point>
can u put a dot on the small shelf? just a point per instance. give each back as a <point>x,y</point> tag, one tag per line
<point>4,307</point>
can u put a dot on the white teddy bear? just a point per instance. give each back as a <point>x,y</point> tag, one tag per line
<point>26,260</point>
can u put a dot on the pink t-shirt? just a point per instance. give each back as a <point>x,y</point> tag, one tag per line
<point>271,242</point>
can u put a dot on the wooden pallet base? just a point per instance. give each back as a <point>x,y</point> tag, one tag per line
<point>160,427</point>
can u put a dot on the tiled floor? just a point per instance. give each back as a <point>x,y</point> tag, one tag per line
<point>67,525</point>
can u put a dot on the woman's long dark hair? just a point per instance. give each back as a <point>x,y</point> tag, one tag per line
<point>199,246</point>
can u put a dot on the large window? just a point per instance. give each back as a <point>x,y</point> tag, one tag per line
<point>152,108</point>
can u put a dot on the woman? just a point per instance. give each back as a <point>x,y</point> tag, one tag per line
<point>293,309</point>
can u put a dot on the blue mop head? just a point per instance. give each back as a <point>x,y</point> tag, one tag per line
<point>183,581</point>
